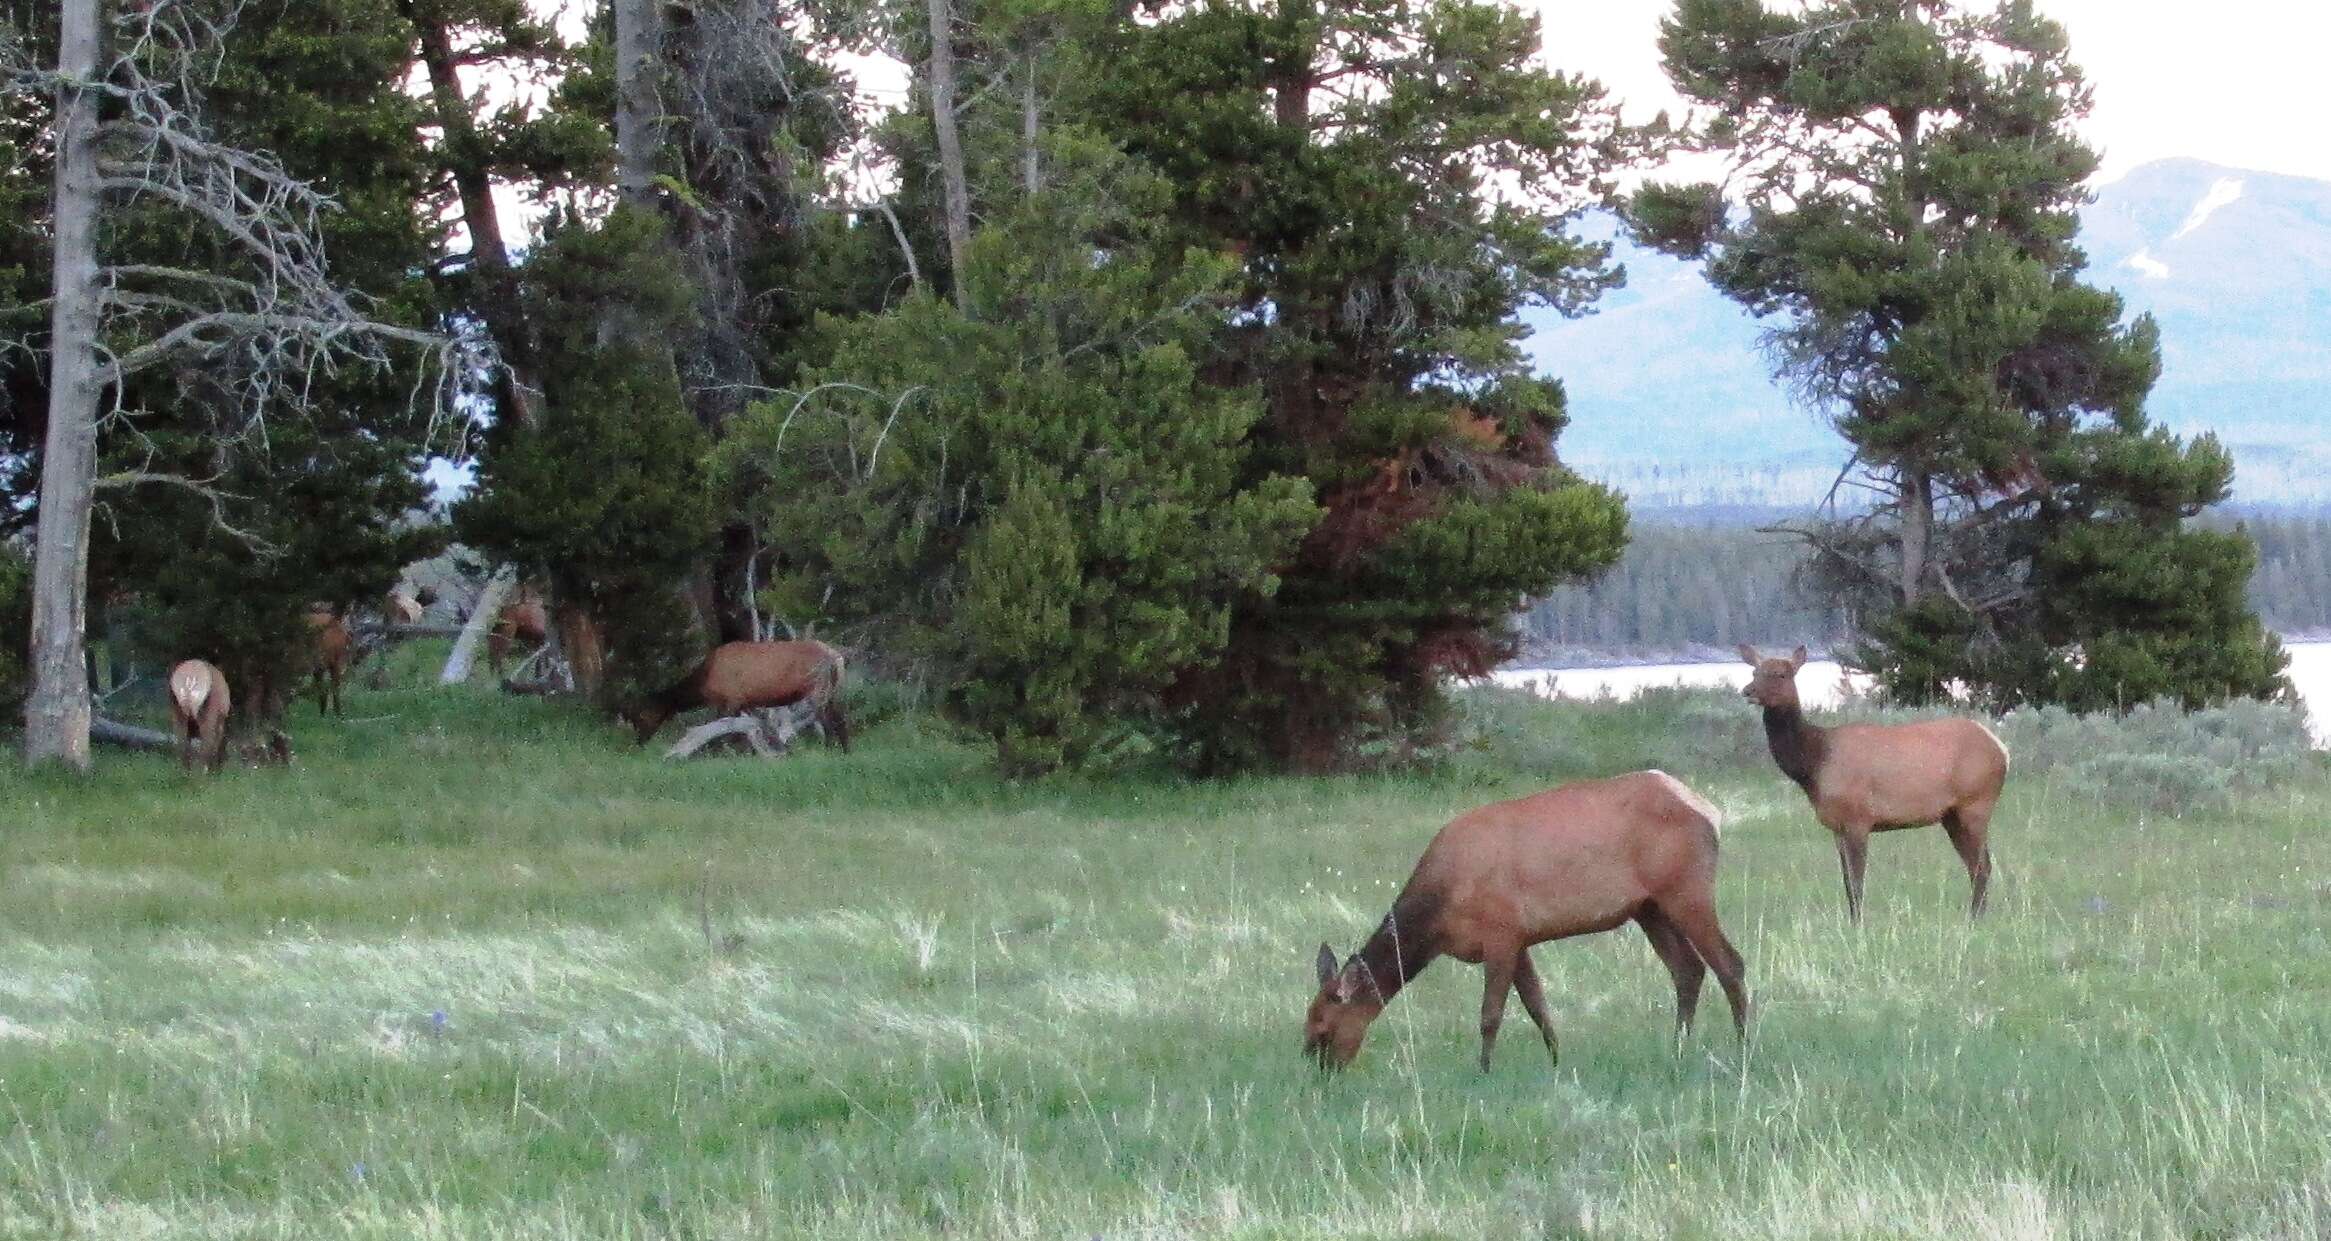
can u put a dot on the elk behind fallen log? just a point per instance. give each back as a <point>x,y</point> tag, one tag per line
<point>526,621</point>
<point>1865,778</point>
<point>198,713</point>
<point>750,676</point>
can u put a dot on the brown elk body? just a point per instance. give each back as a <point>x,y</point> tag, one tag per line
<point>1585,857</point>
<point>750,676</point>
<point>330,648</point>
<point>1865,778</point>
<point>526,620</point>
<point>198,712</point>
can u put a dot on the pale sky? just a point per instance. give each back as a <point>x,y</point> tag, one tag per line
<point>2234,82</point>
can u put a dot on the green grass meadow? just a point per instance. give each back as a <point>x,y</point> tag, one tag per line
<point>475,968</point>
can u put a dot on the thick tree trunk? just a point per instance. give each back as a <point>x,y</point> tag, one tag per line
<point>470,166</point>
<point>473,631</point>
<point>951,170</point>
<point>56,715</point>
<point>638,35</point>
<point>585,652</point>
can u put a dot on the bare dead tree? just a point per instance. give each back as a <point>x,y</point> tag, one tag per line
<point>263,331</point>
<point>941,73</point>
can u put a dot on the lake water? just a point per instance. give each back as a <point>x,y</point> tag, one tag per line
<point>1820,683</point>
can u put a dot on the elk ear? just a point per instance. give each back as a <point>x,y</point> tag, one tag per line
<point>1326,965</point>
<point>1798,657</point>
<point>1748,655</point>
<point>1362,981</point>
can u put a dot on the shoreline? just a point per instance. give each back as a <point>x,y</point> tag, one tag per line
<point>1551,658</point>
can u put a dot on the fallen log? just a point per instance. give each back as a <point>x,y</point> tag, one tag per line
<point>129,736</point>
<point>769,732</point>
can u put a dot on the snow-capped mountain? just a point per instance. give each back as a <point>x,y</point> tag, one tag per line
<point>1671,396</point>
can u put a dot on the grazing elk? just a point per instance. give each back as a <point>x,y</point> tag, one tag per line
<point>1865,778</point>
<point>524,620</point>
<point>330,647</point>
<point>198,712</point>
<point>750,676</point>
<point>1574,860</point>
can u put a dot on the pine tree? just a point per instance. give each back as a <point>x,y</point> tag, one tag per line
<point>1352,160</point>
<point>1913,175</point>
<point>1038,496</point>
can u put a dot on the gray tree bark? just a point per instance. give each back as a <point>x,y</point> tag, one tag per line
<point>951,170</point>
<point>56,715</point>
<point>638,34</point>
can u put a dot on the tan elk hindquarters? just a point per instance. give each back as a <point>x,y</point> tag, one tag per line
<point>199,704</point>
<point>1585,857</point>
<point>1864,778</point>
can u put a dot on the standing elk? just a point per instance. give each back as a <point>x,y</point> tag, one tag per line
<point>330,645</point>
<point>199,703</point>
<point>750,676</point>
<point>1865,778</point>
<point>1574,860</point>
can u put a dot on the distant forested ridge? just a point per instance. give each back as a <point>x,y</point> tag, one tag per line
<point>1686,585</point>
<point>2291,588</point>
<point>1711,580</point>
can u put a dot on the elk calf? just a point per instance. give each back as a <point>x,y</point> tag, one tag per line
<point>749,676</point>
<point>329,650</point>
<point>1865,778</point>
<point>1575,860</point>
<point>198,712</point>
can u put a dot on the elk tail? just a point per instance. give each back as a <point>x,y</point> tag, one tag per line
<point>190,689</point>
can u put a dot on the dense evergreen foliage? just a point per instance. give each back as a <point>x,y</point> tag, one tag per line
<point>1040,494</point>
<point>604,496</point>
<point>1913,175</point>
<point>1351,157</point>
<point>306,488</point>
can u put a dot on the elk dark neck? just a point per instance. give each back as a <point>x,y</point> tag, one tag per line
<point>687,694</point>
<point>1404,943</point>
<point>1796,745</point>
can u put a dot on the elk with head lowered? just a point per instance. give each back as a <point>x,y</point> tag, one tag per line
<point>1582,858</point>
<point>1865,778</point>
<point>751,676</point>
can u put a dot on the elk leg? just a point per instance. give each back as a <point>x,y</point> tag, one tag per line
<point>1683,965</point>
<point>837,728</point>
<point>1696,920</point>
<point>185,731</point>
<point>1497,973</point>
<point>1534,1002</point>
<point>1853,853</point>
<point>1969,828</point>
